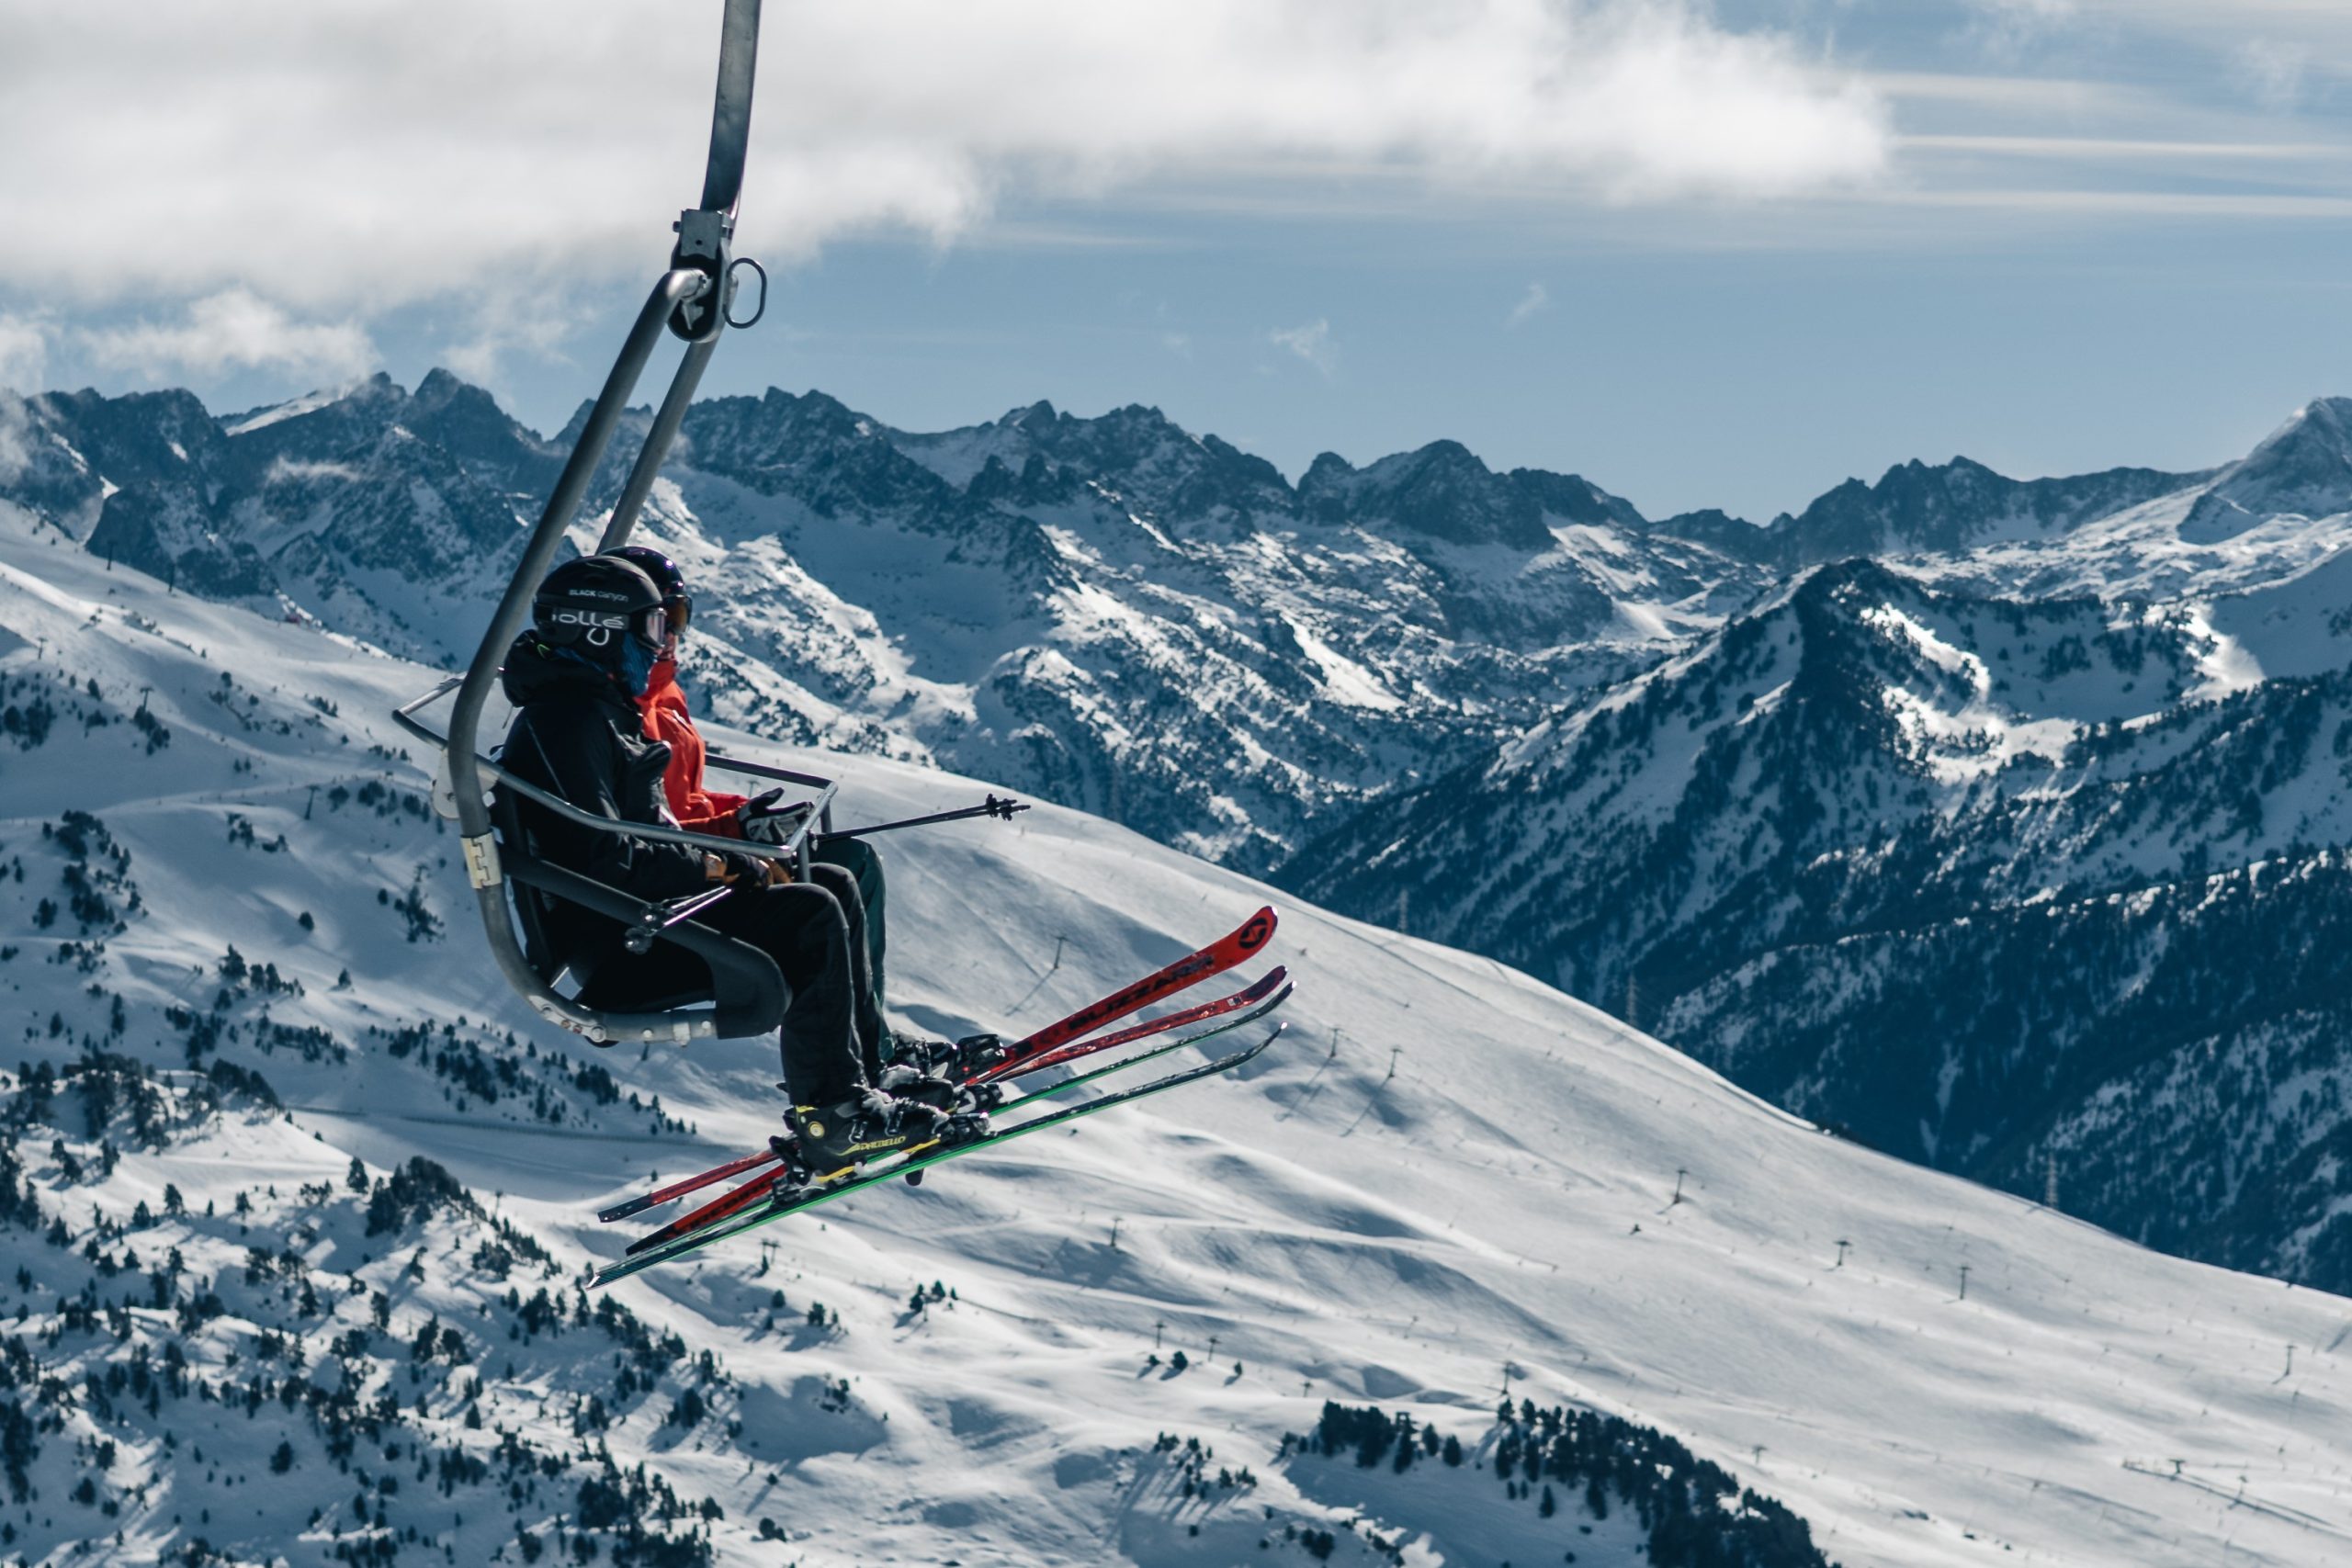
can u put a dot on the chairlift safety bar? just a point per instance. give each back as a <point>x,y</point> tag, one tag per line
<point>794,848</point>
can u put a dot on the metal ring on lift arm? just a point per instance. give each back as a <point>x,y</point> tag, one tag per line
<point>739,262</point>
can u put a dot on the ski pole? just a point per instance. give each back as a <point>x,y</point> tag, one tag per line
<point>992,806</point>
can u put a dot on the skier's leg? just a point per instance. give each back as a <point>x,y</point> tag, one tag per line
<point>863,861</point>
<point>866,1012</point>
<point>803,929</point>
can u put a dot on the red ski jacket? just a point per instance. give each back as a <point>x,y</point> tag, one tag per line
<point>697,809</point>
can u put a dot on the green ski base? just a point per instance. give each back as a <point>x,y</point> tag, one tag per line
<point>809,1197</point>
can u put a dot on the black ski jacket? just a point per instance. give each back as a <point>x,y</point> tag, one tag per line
<point>576,734</point>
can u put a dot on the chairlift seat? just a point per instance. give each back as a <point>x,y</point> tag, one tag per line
<point>742,990</point>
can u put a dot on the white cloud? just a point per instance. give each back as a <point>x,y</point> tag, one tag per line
<point>15,433</point>
<point>2092,204</point>
<point>2272,70</point>
<point>2318,32</point>
<point>2009,29</point>
<point>503,323</point>
<point>2112,148</point>
<point>2072,96</point>
<point>1177,344</point>
<point>23,352</point>
<point>24,364</point>
<point>341,158</point>
<point>1311,343</point>
<point>2322,22</point>
<point>290,470</point>
<point>1535,301</point>
<point>236,330</point>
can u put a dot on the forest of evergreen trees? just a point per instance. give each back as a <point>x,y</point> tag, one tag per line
<point>1694,1514</point>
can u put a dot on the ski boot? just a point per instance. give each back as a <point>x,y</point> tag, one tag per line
<point>954,1061</point>
<point>871,1123</point>
<point>792,1163</point>
<point>908,1081</point>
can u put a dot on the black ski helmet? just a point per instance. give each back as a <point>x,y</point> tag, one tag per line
<point>591,604</point>
<point>667,578</point>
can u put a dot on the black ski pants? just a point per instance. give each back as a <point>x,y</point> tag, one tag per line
<point>831,1038</point>
<point>862,861</point>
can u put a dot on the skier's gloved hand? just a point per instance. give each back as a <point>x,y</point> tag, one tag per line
<point>743,871</point>
<point>765,822</point>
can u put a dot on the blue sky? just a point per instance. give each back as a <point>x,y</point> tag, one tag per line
<point>1719,256</point>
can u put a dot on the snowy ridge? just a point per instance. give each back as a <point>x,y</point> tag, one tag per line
<point>1451,1168</point>
<point>1129,618</point>
<point>1964,875</point>
<point>1134,619</point>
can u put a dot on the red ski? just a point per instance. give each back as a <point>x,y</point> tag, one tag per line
<point>1250,995</point>
<point>1057,1042</point>
<point>1233,1012</point>
<point>719,1208</point>
<point>1235,947</point>
<point>685,1185</point>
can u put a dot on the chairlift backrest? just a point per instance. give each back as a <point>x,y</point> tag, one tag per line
<point>530,904</point>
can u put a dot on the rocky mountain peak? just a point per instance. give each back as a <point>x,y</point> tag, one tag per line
<point>1440,491</point>
<point>453,401</point>
<point>319,424</point>
<point>839,462</point>
<point>1134,452</point>
<point>1328,469</point>
<point>75,448</point>
<point>1918,509</point>
<point>2303,468</point>
<point>1572,498</point>
<point>491,443</point>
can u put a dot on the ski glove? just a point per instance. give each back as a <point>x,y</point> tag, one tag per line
<point>766,823</point>
<point>747,871</point>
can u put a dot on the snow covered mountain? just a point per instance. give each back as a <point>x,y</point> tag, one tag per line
<point>2127,533</point>
<point>298,1203</point>
<point>1157,628</point>
<point>1110,611</point>
<point>2009,887</point>
<point>378,513</point>
<point>1035,596</point>
<point>1916,510</point>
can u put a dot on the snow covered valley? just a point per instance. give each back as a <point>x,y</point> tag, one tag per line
<point>247,965</point>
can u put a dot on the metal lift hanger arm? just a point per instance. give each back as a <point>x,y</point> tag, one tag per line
<point>690,299</point>
<point>405,717</point>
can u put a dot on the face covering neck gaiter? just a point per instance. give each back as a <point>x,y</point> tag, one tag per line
<point>637,665</point>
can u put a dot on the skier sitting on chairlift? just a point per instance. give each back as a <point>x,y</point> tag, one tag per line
<point>576,677</point>
<point>851,869</point>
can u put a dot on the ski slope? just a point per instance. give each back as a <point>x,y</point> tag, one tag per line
<point>1445,1175</point>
